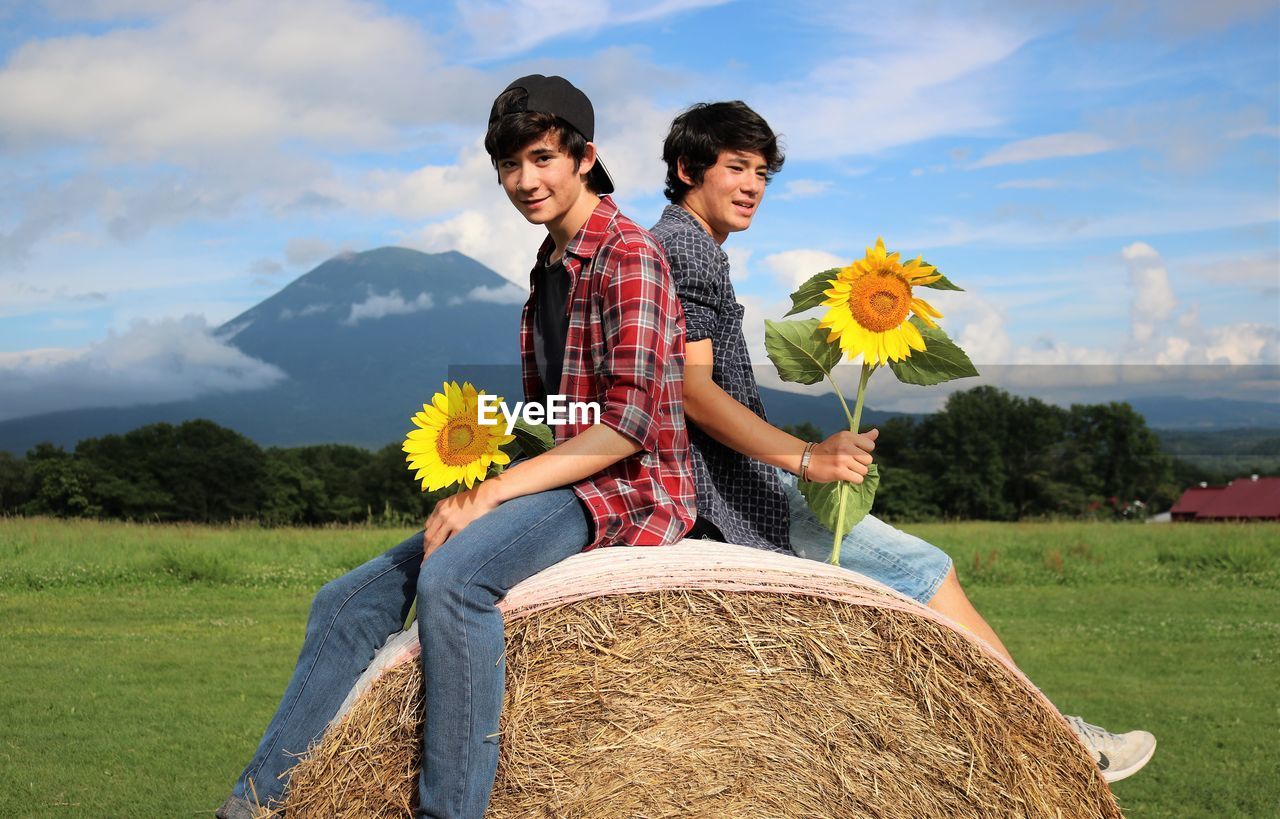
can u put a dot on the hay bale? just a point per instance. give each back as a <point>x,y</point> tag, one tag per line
<point>702,680</point>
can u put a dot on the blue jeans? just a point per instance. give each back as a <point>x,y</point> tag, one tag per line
<point>461,632</point>
<point>903,562</point>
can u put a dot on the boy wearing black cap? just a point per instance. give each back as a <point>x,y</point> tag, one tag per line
<point>602,325</point>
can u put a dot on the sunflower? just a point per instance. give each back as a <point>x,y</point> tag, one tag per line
<point>450,444</point>
<point>870,303</point>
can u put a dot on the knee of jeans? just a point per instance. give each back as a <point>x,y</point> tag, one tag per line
<point>441,589</point>
<point>329,599</point>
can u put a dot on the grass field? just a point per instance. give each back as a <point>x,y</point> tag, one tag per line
<point>141,662</point>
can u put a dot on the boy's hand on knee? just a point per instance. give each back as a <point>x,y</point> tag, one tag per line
<point>843,457</point>
<point>452,515</point>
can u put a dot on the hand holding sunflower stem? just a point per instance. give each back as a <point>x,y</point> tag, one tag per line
<point>873,314</point>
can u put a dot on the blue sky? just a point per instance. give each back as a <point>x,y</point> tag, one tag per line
<point>1103,179</point>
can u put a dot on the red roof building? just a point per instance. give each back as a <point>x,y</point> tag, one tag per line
<point>1251,498</point>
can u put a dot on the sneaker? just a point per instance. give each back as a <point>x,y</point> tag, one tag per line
<point>236,808</point>
<point>1116,755</point>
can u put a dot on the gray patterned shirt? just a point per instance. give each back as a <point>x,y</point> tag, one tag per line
<point>740,495</point>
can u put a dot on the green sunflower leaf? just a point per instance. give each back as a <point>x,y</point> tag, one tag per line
<point>810,294</point>
<point>532,439</point>
<point>824,500</point>
<point>941,360</point>
<point>799,350</point>
<point>943,283</point>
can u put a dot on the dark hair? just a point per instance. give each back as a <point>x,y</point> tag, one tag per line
<point>511,128</point>
<point>699,135</point>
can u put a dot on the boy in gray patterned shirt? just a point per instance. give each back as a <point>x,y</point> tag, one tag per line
<point>719,157</point>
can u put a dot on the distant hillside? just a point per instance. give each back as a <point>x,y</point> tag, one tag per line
<point>1180,412</point>
<point>366,337</point>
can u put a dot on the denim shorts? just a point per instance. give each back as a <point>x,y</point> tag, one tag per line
<point>903,562</point>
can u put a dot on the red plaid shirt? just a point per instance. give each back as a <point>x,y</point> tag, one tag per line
<point>625,351</point>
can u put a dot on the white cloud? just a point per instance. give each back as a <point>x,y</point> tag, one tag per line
<point>739,261</point>
<point>494,234</point>
<point>392,304</point>
<point>884,95</point>
<point>1041,183</point>
<point>1214,210</point>
<point>498,29</point>
<point>309,310</point>
<point>803,188</point>
<point>430,190</point>
<point>226,78</point>
<point>307,250</point>
<point>1260,271</point>
<point>1243,344</point>
<point>504,294</point>
<point>795,267</point>
<point>1152,298</point>
<point>1050,146</point>
<point>151,362</point>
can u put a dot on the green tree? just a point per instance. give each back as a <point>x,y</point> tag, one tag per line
<point>1121,459</point>
<point>62,486</point>
<point>17,484</point>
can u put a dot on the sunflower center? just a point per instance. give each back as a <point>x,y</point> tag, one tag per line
<point>880,301</point>
<point>461,442</point>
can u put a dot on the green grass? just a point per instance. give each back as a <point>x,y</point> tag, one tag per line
<point>141,662</point>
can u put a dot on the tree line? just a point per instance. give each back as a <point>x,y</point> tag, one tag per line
<point>199,471</point>
<point>986,455</point>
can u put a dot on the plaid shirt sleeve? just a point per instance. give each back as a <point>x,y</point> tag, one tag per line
<point>634,295</point>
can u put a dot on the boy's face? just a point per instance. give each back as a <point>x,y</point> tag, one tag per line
<point>541,180</point>
<point>730,192</point>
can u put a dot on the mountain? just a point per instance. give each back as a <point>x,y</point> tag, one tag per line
<point>1180,412</point>
<point>364,339</point>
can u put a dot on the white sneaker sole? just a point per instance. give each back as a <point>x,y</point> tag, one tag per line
<point>1125,773</point>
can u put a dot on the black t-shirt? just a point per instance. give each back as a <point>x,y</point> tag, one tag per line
<point>551,324</point>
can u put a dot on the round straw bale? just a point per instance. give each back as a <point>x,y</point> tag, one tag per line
<point>704,680</point>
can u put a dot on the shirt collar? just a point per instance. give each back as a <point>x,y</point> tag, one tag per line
<point>678,214</point>
<point>587,240</point>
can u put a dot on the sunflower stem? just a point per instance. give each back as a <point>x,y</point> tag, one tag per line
<point>840,395</point>
<point>854,420</point>
<point>413,615</point>
<point>862,394</point>
<point>835,542</point>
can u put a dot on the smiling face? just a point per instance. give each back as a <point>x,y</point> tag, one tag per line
<point>729,194</point>
<point>541,181</point>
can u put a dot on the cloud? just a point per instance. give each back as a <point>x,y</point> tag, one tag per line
<point>1020,227</point>
<point>307,250</point>
<point>226,78</point>
<point>1031,184</point>
<point>1049,146</point>
<point>739,262</point>
<point>309,310</point>
<point>500,29</point>
<point>493,233</point>
<point>151,362</point>
<point>266,268</point>
<point>803,188</point>
<point>884,95</point>
<point>1189,135</point>
<point>795,267</point>
<point>392,304</point>
<point>1258,271</point>
<point>1153,300</point>
<point>504,294</point>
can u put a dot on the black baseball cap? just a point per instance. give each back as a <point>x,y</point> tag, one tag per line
<point>559,97</point>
